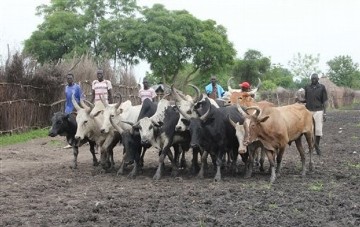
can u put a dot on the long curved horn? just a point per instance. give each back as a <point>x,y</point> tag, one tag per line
<point>86,107</point>
<point>203,117</point>
<point>231,122</point>
<point>256,108</point>
<point>103,101</point>
<point>176,95</point>
<point>166,95</point>
<point>89,103</point>
<point>241,110</point>
<point>197,90</point>
<point>253,91</point>
<point>228,84</point>
<point>129,123</point>
<point>117,127</point>
<point>182,112</point>
<point>76,105</point>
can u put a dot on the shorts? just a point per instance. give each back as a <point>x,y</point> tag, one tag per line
<point>319,119</point>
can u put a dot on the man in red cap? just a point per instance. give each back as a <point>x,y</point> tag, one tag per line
<point>245,86</point>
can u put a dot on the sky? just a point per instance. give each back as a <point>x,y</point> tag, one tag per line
<point>279,29</point>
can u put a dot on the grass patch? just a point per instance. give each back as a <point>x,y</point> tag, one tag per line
<point>356,166</point>
<point>23,137</point>
<point>55,143</point>
<point>273,206</point>
<point>317,186</point>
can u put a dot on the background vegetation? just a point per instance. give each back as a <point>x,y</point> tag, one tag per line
<point>180,48</point>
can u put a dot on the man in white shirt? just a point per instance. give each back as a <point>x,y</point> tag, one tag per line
<point>101,87</point>
<point>146,92</point>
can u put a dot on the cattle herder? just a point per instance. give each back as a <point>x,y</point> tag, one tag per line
<point>214,90</point>
<point>316,102</point>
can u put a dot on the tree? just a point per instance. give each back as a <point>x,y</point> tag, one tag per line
<point>60,34</point>
<point>280,76</point>
<point>253,66</point>
<point>344,72</point>
<point>302,66</point>
<point>172,39</point>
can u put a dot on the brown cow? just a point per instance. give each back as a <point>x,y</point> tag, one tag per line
<point>241,133</point>
<point>275,127</point>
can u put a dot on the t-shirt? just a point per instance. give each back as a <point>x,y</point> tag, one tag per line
<point>101,88</point>
<point>69,91</point>
<point>147,94</point>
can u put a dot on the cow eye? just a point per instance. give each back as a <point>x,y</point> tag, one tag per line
<point>112,115</point>
<point>85,122</point>
<point>188,112</point>
<point>150,127</point>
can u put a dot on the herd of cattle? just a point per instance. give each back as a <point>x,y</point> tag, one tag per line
<point>199,125</point>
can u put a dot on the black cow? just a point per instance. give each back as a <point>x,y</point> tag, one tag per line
<point>132,142</point>
<point>213,132</point>
<point>65,125</point>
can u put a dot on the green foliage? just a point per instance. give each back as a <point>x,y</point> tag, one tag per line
<point>302,66</point>
<point>268,85</point>
<point>23,137</point>
<point>170,40</point>
<point>317,186</point>
<point>344,72</point>
<point>280,77</point>
<point>251,67</point>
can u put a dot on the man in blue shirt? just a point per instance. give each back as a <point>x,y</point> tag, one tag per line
<point>70,89</point>
<point>214,90</point>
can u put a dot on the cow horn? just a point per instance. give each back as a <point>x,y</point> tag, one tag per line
<point>203,117</point>
<point>228,84</point>
<point>182,112</point>
<point>89,103</point>
<point>115,125</point>
<point>86,107</point>
<point>76,105</point>
<point>256,108</point>
<point>240,109</point>
<point>231,121</point>
<point>129,123</point>
<point>253,91</point>
<point>166,95</point>
<point>103,101</point>
<point>197,90</point>
<point>176,95</point>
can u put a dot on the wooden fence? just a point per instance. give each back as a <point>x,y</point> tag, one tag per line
<point>23,107</point>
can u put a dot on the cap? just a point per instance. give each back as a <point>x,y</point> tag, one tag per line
<point>244,85</point>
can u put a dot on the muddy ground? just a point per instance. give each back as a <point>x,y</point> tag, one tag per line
<point>39,189</point>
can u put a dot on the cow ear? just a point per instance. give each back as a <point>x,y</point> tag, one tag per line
<point>264,119</point>
<point>185,121</point>
<point>159,124</point>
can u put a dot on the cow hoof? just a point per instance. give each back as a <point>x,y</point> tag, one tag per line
<point>95,163</point>
<point>247,176</point>
<point>262,169</point>
<point>120,172</point>
<point>131,176</point>
<point>73,167</point>
<point>174,173</point>
<point>156,177</point>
